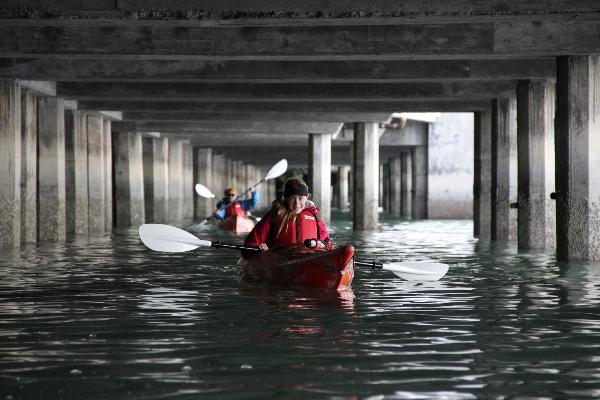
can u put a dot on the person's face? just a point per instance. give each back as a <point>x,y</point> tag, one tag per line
<point>296,203</point>
<point>231,196</point>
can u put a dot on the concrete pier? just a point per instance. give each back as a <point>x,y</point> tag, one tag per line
<point>29,139</point>
<point>218,178</point>
<point>420,167</point>
<point>108,175</point>
<point>175,208</point>
<point>188,182</point>
<point>535,141</point>
<point>366,172</point>
<point>504,169</point>
<point>384,186</point>
<point>319,170</point>
<point>76,152</point>
<point>343,179</point>
<point>10,159</point>
<point>406,185</point>
<point>51,176</point>
<point>156,179</point>
<point>395,171</point>
<point>578,158</point>
<point>482,199</point>
<point>129,180</point>
<point>96,178</point>
<point>203,174</point>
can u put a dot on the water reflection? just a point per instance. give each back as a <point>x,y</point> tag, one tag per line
<point>105,317</point>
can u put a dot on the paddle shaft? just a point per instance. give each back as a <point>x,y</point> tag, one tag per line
<point>370,264</point>
<point>219,245</point>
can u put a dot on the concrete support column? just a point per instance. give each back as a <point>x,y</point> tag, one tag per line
<point>406,185</point>
<point>384,186</point>
<point>343,181</point>
<point>578,158</point>
<point>10,163</point>
<point>203,173</point>
<point>535,141</point>
<point>29,167</point>
<point>319,170</point>
<point>96,174</point>
<point>76,146</point>
<point>504,169</point>
<point>395,178</point>
<point>218,177</point>
<point>108,176</point>
<point>188,182</point>
<point>175,181</point>
<point>246,178</point>
<point>129,179</point>
<point>366,176</point>
<point>51,178</point>
<point>482,186</point>
<point>420,175</point>
<point>231,173</point>
<point>156,179</point>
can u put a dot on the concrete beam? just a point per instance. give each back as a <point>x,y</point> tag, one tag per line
<point>143,116</point>
<point>308,9</point>
<point>515,36</point>
<point>70,105</point>
<point>294,92</point>
<point>258,71</point>
<point>234,126</point>
<point>431,105</point>
<point>112,115</point>
<point>41,88</point>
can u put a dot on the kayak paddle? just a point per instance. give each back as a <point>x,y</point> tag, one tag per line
<point>276,170</point>
<point>166,238</point>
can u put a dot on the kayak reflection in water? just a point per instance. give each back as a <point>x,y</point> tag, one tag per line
<point>291,220</point>
<point>230,205</point>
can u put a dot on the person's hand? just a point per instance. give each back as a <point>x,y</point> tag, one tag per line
<point>252,189</point>
<point>263,247</point>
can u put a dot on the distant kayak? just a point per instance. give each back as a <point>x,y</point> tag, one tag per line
<point>298,265</point>
<point>236,224</point>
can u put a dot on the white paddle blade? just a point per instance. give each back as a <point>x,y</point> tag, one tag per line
<point>277,170</point>
<point>203,191</point>
<point>418,271</point>
<point>159,237</point>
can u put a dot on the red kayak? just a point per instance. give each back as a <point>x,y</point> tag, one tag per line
<point>298,265</point>
<point>236,224</point>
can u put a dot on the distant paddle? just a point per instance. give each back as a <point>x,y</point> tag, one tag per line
<point>166,238</point>
<point>275,171</point>
<point>203,191</point>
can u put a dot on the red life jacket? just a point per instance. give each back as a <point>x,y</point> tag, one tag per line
<point>305,227</point>
<point>234,209</point>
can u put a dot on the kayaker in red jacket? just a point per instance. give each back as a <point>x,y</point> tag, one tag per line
<point>290,220</point>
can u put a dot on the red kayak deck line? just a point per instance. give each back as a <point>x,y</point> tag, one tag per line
<point>298,265</point>
<point>237,224</point>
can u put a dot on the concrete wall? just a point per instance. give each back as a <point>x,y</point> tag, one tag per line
<point>451,166</point>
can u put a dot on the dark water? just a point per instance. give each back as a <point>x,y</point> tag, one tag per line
<point>107,318</point>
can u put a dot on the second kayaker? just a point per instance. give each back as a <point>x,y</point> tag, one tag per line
<point>230,206</point>
<point>291,220</point>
